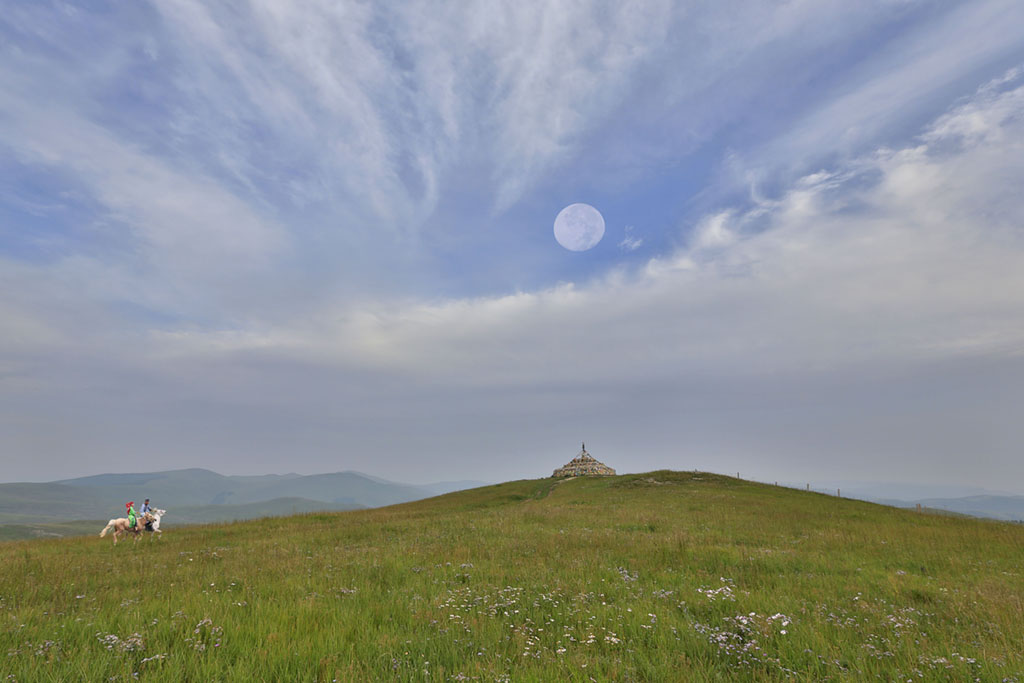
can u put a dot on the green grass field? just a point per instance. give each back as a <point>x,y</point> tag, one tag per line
<point>654,577</point>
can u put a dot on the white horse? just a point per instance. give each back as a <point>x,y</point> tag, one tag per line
<point>155,525</point>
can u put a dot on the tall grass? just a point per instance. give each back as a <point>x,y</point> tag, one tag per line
<point>663,576</point>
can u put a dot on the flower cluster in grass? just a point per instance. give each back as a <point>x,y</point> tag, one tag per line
<point>204,635</point>
<point>723,592</point>
<point>114,643</point>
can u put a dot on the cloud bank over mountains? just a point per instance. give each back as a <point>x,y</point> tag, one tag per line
<point>322,235</point>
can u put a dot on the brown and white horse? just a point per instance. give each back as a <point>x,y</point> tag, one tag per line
<point>120,526</point>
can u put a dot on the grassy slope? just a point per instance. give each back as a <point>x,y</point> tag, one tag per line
<point>665,576</point>
<point>278,507</point>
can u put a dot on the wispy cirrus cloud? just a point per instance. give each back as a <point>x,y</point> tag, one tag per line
<point>895,90</point>
<point>631,242</point>
<point>910,255</point>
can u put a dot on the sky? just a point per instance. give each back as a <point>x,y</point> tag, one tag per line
<point>310,237</point>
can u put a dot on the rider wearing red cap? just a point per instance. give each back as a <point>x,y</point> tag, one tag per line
<point>131,513</point>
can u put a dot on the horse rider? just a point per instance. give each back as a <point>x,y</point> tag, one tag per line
<point>146,513</point>
<point>130,511</point>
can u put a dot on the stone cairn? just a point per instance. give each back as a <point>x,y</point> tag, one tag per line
<point>582,465</point>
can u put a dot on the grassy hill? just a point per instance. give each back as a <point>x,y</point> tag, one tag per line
<point>662,576</point>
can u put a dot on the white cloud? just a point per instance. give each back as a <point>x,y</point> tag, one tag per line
<point>714,231</point>
<point>630,242</point>
<point>175,237</point>
<point>361,119</point>
<point>907,255</point>
<point>376,111</point>
<point>898,86</point>
<point>388,100</point>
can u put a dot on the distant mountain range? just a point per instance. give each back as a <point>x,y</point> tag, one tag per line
<point>1007,508</point>
<point>966,500</point>
<point>199,495</point>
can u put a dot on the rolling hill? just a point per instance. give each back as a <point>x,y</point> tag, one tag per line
<point>653,577</point>
<point>194,496</point>
<point>203,487</point>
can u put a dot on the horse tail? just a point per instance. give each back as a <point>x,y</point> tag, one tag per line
<point>107,528</point>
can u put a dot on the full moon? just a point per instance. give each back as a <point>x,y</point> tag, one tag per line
<point>579,227</point>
